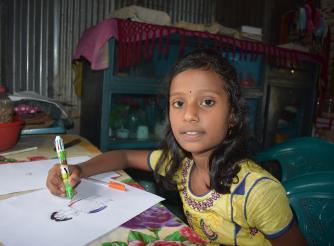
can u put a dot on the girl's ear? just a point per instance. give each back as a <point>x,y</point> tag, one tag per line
<point>233,120</point>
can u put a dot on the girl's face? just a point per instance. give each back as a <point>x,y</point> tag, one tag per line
<point>199,110</point>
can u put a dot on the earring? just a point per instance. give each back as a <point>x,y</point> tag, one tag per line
<point>229,131</point>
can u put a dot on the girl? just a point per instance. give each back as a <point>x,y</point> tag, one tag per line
<point>226,197</point>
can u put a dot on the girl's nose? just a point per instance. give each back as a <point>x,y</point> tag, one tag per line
<point>191,113</point>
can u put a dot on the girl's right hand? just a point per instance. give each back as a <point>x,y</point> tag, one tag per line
<point>55,183</point>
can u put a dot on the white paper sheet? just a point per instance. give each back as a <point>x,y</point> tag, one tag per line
<point>95,211</point>
<point>23,176</point>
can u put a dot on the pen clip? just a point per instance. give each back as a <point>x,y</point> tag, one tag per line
<point>59,144</point>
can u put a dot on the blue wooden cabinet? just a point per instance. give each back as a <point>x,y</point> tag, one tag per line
<point>123,109</point>
<point>127,109</point>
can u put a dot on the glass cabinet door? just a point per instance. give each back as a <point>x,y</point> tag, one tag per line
<point>136,120</point>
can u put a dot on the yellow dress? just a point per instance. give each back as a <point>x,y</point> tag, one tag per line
<point>256,209</point>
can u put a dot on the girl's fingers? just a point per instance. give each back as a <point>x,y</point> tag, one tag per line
<point>54,182</point>
<point>75,175</point>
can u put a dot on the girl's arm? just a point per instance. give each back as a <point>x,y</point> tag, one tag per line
<point>109,161</point>
<point>292,237</point>
<point>115,160</point>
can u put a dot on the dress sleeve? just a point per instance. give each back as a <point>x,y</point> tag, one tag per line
<point>268,209</point>
<point>153,159</point>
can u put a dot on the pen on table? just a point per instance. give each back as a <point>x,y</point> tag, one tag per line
<point>115,185</point>
<point>18,151</point>
<point>70,143</point>
<point>65,174</point>
<point>110,184</point>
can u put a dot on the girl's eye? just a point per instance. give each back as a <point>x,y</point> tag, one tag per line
<point>208,102</point>
<point>177,104</point>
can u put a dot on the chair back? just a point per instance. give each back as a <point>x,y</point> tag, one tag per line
<point>311,197</point>
<point>300,155</point>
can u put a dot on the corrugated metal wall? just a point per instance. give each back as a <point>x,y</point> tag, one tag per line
<point>38,38</point>
<point>75,16</point>
<point>27,45</point>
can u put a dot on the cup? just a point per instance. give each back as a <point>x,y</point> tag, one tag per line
<point>142,132</point>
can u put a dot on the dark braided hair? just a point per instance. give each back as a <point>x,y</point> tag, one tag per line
<point>223,163</point>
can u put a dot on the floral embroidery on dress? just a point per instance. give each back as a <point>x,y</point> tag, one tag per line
<point>197,205</point>
<point>189,218</point>
<point>211,235</point>
<point>253,231</point>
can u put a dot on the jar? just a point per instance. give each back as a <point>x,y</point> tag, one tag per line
<point>142,132</point>
<point>6,107</point>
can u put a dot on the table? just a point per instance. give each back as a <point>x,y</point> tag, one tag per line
<point>155,226</point>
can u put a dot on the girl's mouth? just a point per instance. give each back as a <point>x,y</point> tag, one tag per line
<point>191,135</point>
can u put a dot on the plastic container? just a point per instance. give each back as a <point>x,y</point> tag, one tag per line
<point>6,107</point>
<point>10,133</point>
<point>56,128</point>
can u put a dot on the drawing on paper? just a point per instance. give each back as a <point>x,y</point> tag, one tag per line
<point>78,207</point>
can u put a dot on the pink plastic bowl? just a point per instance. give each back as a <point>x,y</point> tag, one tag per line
<point>9,133</point>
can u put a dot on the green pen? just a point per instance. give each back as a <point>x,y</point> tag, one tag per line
<point>65,174</point>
